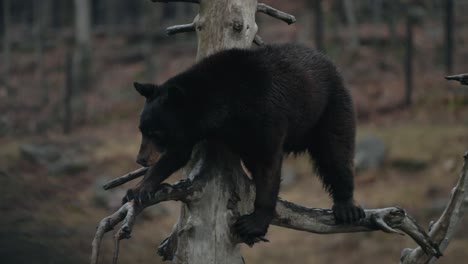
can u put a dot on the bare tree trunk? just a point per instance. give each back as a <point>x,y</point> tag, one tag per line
<point>40,14</point>
<point>409,60</point>
<point>318,24</point>
<point>449,44</point>
<point>81,62</point>
<point>352,23</point>
<point>67,95</point>
<point>6,47</point>
<point>205,235</point>
<point>111,15</point>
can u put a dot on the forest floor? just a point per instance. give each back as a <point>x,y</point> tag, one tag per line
<point>50,216</point>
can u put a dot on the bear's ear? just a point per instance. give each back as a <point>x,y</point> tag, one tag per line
<point>146,90</point>
<point>177,92</point>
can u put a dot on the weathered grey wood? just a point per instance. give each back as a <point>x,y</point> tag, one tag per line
<point>204,233</point>
<point>442,231</point>
<point>225,24</point>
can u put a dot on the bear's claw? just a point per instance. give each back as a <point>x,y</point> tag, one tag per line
<point>252,228</point>
<point>140,194</point>
<point>347,212</point>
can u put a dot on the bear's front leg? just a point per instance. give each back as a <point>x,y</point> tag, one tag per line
<point>267,176</point>
<point>168,163</point>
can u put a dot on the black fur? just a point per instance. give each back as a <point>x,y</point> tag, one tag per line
<point>262,103</point>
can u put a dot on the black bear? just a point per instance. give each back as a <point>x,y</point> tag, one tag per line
<point>261,103</point>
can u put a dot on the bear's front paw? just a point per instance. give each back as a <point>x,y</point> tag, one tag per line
<point>347,212</point>
<point>141,194</point>
<point>252,228</point>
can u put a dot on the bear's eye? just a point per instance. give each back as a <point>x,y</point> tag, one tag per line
<point>155,134</point>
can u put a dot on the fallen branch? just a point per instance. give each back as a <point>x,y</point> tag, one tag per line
<point>444,229</point>
<point>266,9</point>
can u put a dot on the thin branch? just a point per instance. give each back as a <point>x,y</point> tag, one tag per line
<point>444,229</point>
<point>258,41</point>
<point>176,1</point>
<point>116,251</point>
<point>462,78</point>
<point>125,178</point>
<point>182,190</point>
<point>180,29</point>
<point>322,221</point>
<point>168,247</point>
<point>266,9</point>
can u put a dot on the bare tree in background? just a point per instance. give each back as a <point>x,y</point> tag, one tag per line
<point>6,47</point>
<point>319,24</point>
<point>112,8</point>
<point>81,62</point>
<point>40,15</point>
<point>352,23</point>
<point>408,65</point>
<point>449,44</point>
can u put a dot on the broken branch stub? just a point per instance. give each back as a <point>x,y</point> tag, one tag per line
<point>266,9</point>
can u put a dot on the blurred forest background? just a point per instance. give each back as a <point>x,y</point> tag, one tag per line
<point>69,115</point>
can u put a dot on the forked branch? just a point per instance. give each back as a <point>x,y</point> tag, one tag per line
<point>182,190</point>
<point>444,229</point>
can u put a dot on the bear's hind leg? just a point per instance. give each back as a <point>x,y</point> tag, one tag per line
<point>332,149</point>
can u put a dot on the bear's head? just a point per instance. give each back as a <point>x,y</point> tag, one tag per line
<point>162,123</point>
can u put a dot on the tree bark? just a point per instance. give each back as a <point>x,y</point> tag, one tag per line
<point>203,226</point>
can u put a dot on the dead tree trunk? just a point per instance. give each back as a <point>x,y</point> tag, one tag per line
<point>203,231</point>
